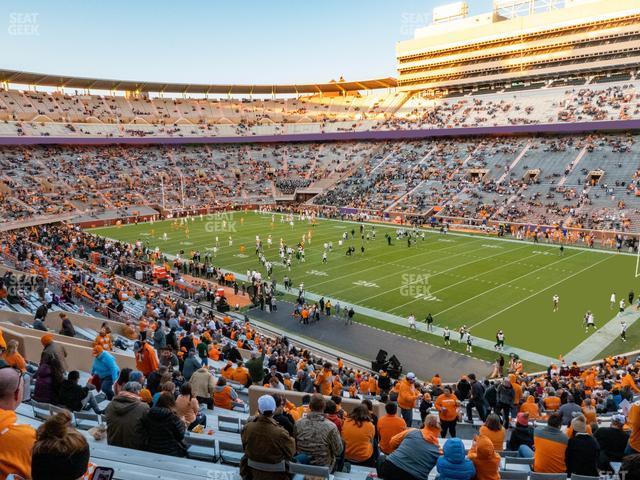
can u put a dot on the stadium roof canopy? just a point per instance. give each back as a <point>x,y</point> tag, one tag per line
<point>40,79</point>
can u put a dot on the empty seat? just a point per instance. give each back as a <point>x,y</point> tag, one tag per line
<point>53,409</point>
<point>230,453</point>
<point>201,447</point>
<point>508,453</point>
<point>302,471</point>
<point>547,476</point>
<point>267,467</point>
<point>87,420</point>
<point>511,475</point>
<point>228,424</point>
<point>41,410</point>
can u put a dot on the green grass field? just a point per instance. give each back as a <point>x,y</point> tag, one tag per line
<point>478,281</point>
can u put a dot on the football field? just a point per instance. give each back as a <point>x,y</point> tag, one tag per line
<point>479,281</point>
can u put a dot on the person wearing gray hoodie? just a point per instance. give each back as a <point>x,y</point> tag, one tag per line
<point>191,364</point>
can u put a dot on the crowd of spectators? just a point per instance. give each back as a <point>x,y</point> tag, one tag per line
<point>567,419</point>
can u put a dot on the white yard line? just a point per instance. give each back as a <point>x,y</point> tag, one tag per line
<point>466,279</point>
<point>439,273</point>
<point>406,268</point>
<point>543,290</point>
<point>504,284</point>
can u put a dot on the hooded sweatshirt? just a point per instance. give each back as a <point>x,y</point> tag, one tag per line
<point>123,416</point>
<point>224,396</point>
<point>485,459</point>
<point>454,464</point>
<point>531,407</point>
<point>415,451</point>
<point>16,442</point>
<point>104,365</point>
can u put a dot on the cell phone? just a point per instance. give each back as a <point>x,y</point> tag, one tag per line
<point>102,473</point>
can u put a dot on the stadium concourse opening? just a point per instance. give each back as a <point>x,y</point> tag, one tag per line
<point>421,277</point>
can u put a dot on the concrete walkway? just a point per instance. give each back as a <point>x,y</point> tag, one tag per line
<point>360,340</point>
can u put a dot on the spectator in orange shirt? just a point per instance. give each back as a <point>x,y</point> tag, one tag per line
<point>241,374</point>
<point>227,370</point>
<point>388,426</point>
<point>224,396</point>
<point>146,359</point>
<point>531,408</point>
<point>358,434</point>
<point>324,380</point>
<point>589,411</point>
<point>552,402</point>
<point>633,420</point>
<point>630,382</point>
<point>407,396</point>
<point>104,340</point>
<point>16,440</point>
<point>447,405</point>
<point>493,430</point>
<point>13,358</point>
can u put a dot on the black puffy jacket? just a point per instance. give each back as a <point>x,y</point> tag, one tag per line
<point>165,432</point>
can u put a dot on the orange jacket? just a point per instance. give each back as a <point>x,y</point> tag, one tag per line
<point>227,372</point>
<point>222,398</point>
<point>324,381</point>
<point>485,459</point>
<point>633,420</point>
<point>214,353</point>
<point>240,375</point>
<point>146,360</point>
<point>104,341</point>
<point>336,387</point>
<point>552,403</point>
<point>531,407</point>
<point>15,360</point>
<point>496,437</point>
<point>628,381</point>
<point>407,394</point>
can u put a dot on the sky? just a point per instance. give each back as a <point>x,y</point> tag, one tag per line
<point>211,41</point>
